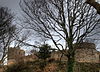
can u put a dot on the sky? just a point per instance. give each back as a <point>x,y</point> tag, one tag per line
<point>14,5</point>
<point>11,4</point>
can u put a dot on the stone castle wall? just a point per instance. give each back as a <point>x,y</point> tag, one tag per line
<point>85,52</point>
<point>15,54</point>
<point>87,55</point>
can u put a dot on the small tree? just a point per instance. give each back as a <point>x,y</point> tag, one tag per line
<point>44,52</point>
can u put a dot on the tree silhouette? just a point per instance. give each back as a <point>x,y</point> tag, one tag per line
<point>65,22</point>
<point>95,4</point>
<point>6,30</point>
<point>44,52</point>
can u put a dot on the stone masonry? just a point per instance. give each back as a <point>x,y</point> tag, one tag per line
<point>15,54</point>
<point>85,52</point>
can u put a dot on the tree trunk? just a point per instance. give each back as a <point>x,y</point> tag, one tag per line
<point>70,63</point>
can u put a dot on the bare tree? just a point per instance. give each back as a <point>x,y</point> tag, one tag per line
<point>95,4</point>
<point>65,22</point>
<point>6,30</point>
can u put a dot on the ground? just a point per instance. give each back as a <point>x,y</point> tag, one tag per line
<point>52,66</point>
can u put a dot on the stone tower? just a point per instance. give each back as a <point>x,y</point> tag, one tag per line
<point>86,52</point>
<point>15,55</point>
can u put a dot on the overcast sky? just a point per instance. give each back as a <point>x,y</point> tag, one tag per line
<point>11,4</point>
<point>14,5</point>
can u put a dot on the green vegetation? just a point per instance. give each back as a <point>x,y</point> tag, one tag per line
<point>44,52</point>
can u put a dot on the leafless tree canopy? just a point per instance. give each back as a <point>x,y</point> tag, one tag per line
<point>6,29</point>
<point>65,22</point>
<point>60,19</point>
<point>95,4</point>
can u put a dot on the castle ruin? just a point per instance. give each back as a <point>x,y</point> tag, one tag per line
<point>85,52</point>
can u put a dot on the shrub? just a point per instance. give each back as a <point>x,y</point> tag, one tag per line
<point>19,68</point>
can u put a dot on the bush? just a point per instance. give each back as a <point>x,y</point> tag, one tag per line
<point>44,52</point>
<point>19,68</point>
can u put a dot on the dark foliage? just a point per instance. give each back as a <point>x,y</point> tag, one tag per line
<point>44,52</point>
<point>19,68</point>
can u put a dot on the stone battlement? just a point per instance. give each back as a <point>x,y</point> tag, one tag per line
<point>85,45</point>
